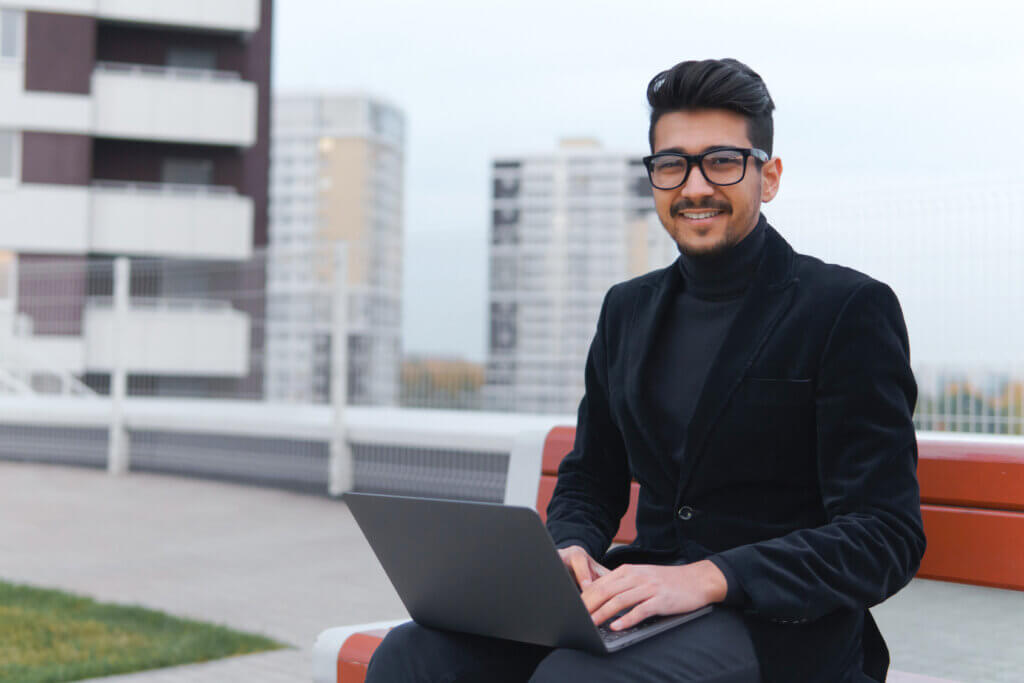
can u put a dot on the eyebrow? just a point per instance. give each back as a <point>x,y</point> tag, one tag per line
<point>712,148</point>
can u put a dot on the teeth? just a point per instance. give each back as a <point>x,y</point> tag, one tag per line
<point>698,216</point>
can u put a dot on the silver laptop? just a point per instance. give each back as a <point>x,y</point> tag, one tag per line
<point>488,570</point>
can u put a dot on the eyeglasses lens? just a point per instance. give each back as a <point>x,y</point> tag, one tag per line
<point>724,167</point>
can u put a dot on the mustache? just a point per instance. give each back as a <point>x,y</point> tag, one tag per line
<point>706,205</point>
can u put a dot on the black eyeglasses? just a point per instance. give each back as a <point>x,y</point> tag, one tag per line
<point>722,166</point>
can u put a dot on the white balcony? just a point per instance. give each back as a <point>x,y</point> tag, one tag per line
<point>170,220</point>
<point>45,219</point>
<point>168,337</point>
<point>137,219</point>
<point>34,110</point>
<point>194,106</point>
<point>219,15</point>
<point>226,15</point>
<point>30,364</point>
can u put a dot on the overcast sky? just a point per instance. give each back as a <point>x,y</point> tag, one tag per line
<point>868,95</point>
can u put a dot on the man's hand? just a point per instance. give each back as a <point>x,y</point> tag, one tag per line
<point>584,569</point>
<point>651,590</point>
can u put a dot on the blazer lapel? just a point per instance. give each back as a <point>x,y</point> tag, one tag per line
<point>649,317</point>
<point>767,299</point>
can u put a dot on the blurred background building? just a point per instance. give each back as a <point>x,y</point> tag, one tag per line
<point>565,227</point>
<point>141,130</point>
<point>337,176</point>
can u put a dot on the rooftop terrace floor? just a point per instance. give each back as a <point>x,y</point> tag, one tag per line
<point>289,565</point>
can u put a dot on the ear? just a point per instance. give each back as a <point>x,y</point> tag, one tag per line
<point>771,173</point>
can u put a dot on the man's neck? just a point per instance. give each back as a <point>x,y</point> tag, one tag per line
<point>728,273</point>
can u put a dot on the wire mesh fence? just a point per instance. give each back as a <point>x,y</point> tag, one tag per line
<point>242,331</point>
<point>264,331</point>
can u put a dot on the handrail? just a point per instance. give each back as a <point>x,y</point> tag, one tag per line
<point>177,72</point>
<point>161,304</point>
<point>137,187</point>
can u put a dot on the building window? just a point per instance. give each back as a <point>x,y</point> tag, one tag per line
<point>10,34</point>
<point>8,155</point>
<point>187,171</point>
<point>192,58</point>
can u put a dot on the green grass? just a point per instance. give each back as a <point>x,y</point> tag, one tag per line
<point>48,636</point>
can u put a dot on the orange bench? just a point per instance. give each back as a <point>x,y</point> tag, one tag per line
<point>972,502</point>
<point>972,493</point>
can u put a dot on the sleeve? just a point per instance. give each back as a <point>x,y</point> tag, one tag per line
<point>873,541</point>
<point>592,492</point>
<point>735,596</point>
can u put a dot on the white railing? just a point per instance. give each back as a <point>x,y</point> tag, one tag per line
<point>134,187</point>
<point>426,451</point>
<point>175,72</point>
<point>20,368</point>
<point>174,104</point>
<point>161,304</point>
<point>216,15</point>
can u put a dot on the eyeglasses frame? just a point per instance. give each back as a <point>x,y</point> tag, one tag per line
<point>698,161</point>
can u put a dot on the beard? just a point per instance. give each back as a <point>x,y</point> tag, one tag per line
<point>710,251</point>
<point>705,251</point>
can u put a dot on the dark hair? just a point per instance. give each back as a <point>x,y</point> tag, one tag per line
<point>714,84</point>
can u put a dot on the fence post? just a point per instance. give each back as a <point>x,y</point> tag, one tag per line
<point>339,474</point>
<point>117,441</point>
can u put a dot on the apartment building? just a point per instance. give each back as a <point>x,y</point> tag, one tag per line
<point>135,128</point>
<point>565,226</point>
<point>337,177</point>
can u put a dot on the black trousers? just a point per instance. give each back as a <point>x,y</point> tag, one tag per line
<point>714,648</point>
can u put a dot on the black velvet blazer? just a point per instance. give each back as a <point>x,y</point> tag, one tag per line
<point>798,472</point>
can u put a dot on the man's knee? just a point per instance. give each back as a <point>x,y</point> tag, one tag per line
<point>566,665</point>
<point>412,652</point>
<point>403,651</point>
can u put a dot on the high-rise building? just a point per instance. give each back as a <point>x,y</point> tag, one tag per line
<point>337,176</point>
<point>565,227</point>
<point>137,129</point>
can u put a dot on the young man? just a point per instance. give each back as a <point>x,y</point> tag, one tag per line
<point>763,401</point>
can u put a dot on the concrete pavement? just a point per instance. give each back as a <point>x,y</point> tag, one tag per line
<point>289,565</point>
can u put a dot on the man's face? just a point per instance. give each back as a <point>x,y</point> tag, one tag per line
<point>736,208</point>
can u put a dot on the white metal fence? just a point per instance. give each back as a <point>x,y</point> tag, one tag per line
<point>451,454</point>
<point>140,364</point>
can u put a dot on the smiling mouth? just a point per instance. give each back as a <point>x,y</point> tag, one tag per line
<point>699,215</point>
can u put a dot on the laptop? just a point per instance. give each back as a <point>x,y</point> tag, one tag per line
<point>489,570</point>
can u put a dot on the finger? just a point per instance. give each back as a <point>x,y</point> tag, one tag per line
<point>641,611</point>
<point>598,569</point>
<point>581,569</point>
<point>606,587</point>
<point>620,602</point>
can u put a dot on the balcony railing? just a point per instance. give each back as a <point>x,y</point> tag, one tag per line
<point>174,104</point>
<point>175,72</point>
<point>191,337</point>
<point>219,15</point>
<point>162,304</point>
<point>165,189</point>
<point>171,219</point>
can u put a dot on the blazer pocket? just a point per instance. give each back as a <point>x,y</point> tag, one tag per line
<point>777,392</point>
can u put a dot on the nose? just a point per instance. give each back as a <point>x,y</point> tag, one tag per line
<point>696,185</point>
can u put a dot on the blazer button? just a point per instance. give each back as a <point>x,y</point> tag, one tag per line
<point>686,513</point>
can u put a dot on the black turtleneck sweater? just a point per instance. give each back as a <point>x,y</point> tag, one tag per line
<point>707,301</point>
<point>710,295</point>
<point>697,322</point>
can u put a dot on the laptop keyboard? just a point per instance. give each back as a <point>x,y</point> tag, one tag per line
<point>610,636</point>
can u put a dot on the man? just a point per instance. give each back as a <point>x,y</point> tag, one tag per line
<point>763,401</point>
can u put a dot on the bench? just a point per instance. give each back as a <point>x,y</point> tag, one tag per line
<point>972,493</point>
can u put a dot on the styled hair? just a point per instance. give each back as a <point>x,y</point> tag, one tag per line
<point>714,84</point>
